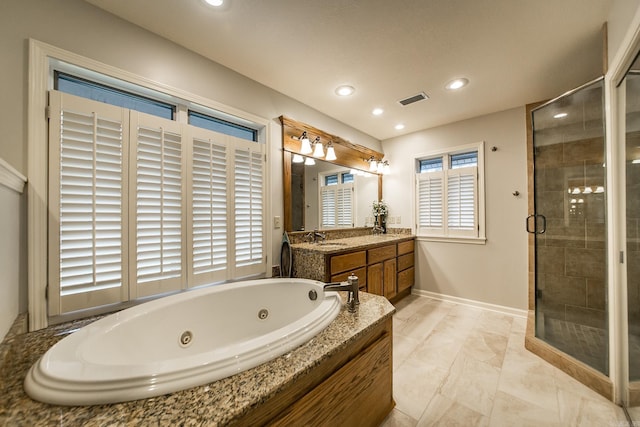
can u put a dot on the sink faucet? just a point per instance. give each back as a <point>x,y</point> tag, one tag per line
<point>314,235</point>
<point>351,287</point>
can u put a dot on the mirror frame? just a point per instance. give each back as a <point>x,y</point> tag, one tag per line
<point>348,155</point>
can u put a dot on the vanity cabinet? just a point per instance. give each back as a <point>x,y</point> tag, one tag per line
<point>385,269</point>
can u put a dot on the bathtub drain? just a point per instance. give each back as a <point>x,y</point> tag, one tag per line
<point>186,338</point>
<point>263,314</point>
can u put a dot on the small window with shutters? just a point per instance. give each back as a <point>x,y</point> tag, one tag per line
<point>450,194</point>
<point>336,200</point>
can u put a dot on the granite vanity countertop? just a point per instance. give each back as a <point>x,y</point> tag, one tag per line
<point>214,404</point>
<point>350,243</point>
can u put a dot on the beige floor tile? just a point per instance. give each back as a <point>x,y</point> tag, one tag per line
<point>496,323</point>
<point>439,349</point>
<point>398,418</point>
<point>509,411</point>
<point>486,347</point>
<point>414,384</point>
<point>420,325</point>
<point>402,347</point>
<point>471,383</point>
<point>443,411</point>
<point>577,410</point>
<point>530,379</point>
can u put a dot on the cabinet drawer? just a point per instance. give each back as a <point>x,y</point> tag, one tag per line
<point>348,262</point>
<point>405,279</point>
<point>361,273</point>
<point>382,253</point>
<point>405,247</point>
<point>405,261</point>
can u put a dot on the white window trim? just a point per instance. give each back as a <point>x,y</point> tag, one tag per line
<point>40,57</point>
<point>481,239</point>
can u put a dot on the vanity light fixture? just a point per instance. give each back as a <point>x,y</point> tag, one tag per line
<point>456,84</point>
<point>331,152</point>
<point>305,144</point>
<point>380,167</point>
<point>309,161</point>
<point>297,158</point>
<point>318,150</point>
<point>386,168</point>
<point>599,189</point>
<point>373,164</point>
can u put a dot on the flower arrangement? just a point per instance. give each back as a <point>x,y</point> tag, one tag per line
<point>380,208</point>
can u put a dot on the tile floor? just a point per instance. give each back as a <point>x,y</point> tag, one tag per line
<point>455,365</point>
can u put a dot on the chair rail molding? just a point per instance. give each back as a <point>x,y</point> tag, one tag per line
<point>11,178</point>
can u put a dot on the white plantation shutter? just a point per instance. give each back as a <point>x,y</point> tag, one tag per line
<point>158,205</point>
<point>209,227</point>
<point>461,201</point>
<point>248,181</point>
<point>345,205</point>
<point>430,189</point>
<point>328,204</point>
<point>86,203</point>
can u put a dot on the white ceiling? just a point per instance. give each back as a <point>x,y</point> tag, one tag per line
<point>512,51</point>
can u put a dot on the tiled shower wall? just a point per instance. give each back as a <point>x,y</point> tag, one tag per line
<point>571,254</point>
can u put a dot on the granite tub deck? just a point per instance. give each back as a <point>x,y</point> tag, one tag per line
<point>224,402</point>
<point>309,258</point>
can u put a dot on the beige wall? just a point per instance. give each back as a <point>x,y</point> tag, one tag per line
<point>496,272</point>
<point>78,27</point>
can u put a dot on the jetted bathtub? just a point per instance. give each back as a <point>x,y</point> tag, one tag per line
<point>181,341</point>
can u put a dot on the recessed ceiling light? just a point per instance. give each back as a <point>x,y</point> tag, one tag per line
<point>377,111</point>
<point>345,90</point>
<point>399,126</point>
<point>457,84</point>
<point>560,116</point>
<point>215,3</point>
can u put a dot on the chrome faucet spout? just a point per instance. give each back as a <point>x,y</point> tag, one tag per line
<point>352,289</point>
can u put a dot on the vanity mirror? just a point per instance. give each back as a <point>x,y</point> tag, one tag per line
<point>319,196</point>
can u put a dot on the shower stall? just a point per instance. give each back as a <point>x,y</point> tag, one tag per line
<point>585,235</point>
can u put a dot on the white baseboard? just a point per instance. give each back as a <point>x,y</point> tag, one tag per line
<point>472,303</point>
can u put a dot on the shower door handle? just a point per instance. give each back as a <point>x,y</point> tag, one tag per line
<point>535,224</point>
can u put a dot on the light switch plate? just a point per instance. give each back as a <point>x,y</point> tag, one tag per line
<point>276,222</point>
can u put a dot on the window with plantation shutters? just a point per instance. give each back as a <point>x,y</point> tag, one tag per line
<point>450,194</point>
<point>141,205</point>
<point>336,201</point>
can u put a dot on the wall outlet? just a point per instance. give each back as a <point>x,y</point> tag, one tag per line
<point>392,220</point>
<point>277,223</point>
<point>398,220</point>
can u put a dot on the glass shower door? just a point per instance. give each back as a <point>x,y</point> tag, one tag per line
<point>570,225</point>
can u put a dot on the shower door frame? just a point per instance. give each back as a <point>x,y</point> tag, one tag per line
<point>589,376</point>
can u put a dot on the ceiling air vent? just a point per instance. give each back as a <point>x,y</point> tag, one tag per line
<point>414,98</point>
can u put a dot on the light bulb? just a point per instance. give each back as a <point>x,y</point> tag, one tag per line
<point>309,161</point>
<point>386,169</point>
<point>373,165</point>
<point>380,167</point>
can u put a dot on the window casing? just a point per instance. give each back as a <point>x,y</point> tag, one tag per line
<point>449,194</point>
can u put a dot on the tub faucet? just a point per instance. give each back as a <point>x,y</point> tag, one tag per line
<point>351,287</point>
<point>314,235</point>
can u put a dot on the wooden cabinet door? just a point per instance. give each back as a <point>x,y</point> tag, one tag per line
<point>389,278</point>
<point>375,277</point>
